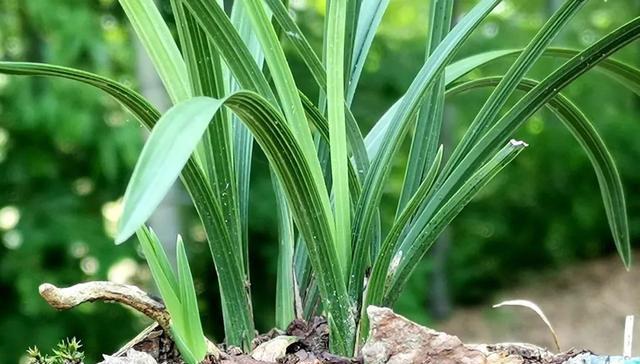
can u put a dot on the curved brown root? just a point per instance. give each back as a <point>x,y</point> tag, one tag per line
<point>132,296</point>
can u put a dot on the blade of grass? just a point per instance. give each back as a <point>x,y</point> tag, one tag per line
<point>170,290</point>
<point>158,42</point>
<point>337,130</point>
<point>317,69</point>
<point>621,72</point>
<point>244,57</point>
<point>242,65</point>
<point>297,39</point>
<point>242,138</point>
<point>283,80</point>
<point>424,144</point>
<point>160,269</point>
<point>351,24</point>
<point>201,194</point>
<point>381,166</point>
<point>185,351</point>
<point>582,129</point>
<point>219,29</point>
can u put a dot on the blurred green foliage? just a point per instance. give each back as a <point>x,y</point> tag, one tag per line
<point>66,153</point>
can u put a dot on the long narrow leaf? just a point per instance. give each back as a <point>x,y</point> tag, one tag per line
<point>627,75</point>
<point>337,130</point>
<point>242,138</point>
<point>285,301</point>
<point>591,142</point>
<point>405,261</point>
<point>377,280</point>
<point>205,69</point>
<point>218,27</point>
<point>304,50</point>
<point>508,124</point>
<point>587,137</point>
<point>187,122</point>
<point>283,80</point>
<point>294,35</point>
<point>380,167</point>
<point>157,41</point>
<point>426,137</point>
<point>369,18</point>
<point>193,326</point>
<point>169,288</point>
<point>498,98</point>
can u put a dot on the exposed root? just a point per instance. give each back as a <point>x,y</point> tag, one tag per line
<point>132,296</point>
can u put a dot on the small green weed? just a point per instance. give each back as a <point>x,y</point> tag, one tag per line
<point>66,352</point>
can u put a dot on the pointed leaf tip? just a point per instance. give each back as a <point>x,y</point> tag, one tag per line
<point>124,231</point>
<point>163,157</point>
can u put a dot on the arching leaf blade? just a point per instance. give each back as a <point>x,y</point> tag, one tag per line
<point>190,119</point>
<point>586,135</point>
<point>159,44</point>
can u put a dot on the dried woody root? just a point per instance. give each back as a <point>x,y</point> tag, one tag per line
<point>393,338</point>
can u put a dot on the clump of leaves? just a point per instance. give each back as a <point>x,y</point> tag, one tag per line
<point>66,352</point>
<point>231,84</point>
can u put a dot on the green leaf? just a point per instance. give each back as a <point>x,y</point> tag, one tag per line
<point>521,111</point>
<point>283,81</point>
<point>381,164</point>
<point>620,72</point>
<point>285,301</point>
<point>304,50</point>
<point>337,130</point>
<point>185,351</point>
<point>426,137</point>
<point>498,98</point>
<point>172,290</point>
<point>369,18</point>
<point>377,281</point>
<point>242,138</point>
<point>297,39</point>
<point>178,132</point>
<point>207,75</point>
<point>218,27</point>
<point>157,41</point>
<point>160,269</point>
<point>155,171</point>
<point>410,252</point>
<point>193,327</point>
<point>625,74</point>
<point>593,145</point>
